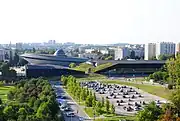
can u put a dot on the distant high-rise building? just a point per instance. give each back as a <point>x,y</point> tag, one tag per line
<point>5,54</point>
<point>150,51</point>
<point>111,52</point>
<point>52,42</point>
<point>178,47</point>
<point>165,48</point>
<point>2,54</point>
<point>19,46</point>
<point>121,53</point>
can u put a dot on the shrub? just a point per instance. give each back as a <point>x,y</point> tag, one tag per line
<point>170,86</point>
<point>1,84</point>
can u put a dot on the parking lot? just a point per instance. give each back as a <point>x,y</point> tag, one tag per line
<point>127,100</point>
<point>70,109</point>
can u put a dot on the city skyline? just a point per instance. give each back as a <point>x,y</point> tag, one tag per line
<point>90,22</point>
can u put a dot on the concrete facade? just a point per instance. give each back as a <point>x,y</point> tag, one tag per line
<point>150,51</point>
<point>165,48</point>
<point>121,53</point>
<point>178,48</point>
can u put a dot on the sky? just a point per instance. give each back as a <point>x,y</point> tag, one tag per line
<point>90,21</point>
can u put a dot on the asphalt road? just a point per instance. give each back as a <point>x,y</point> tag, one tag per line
<point>73,105</point>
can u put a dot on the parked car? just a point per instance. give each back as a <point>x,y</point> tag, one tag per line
<point>67,109</point>
<point>70,114</point>
<point>81,119</point>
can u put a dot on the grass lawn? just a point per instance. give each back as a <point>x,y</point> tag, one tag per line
<point>3,92</point>
<point>92,76</point>
<point>155,90</point>
<point>89,111</point>
<point>84,67</point>
<point>117,118</point>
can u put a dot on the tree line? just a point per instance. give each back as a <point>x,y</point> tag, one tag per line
<point>87,96</point>
<point>169,111</point>
<point>6,71</point>
<point>170,73</point>
<point>30,100</point>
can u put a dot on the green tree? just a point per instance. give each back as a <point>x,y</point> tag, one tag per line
<point>173,69</point>
<point>22,111</point>
<point>94,96</point>
<point>175,99</point>
<point>168,116</point>
<point>31,101</point>
<point>150,113</point>
<point>166,56</point>
<point>64,80</point>
<point>109,58</point>
<point>99,107</point>
<point>83,94</point>
<point>102,101</point>
<point>153,58</point>
<point>72,65</point>
<point>5,69</point>
<point>112,109</point>
<point>94,103</point>
<point>9,112</point>
<point>1,113</point>
<point>0,101</point>
<point>151,76</point>
<point>37,104</point>
<point>107,105</point>
<point>88,101</point>
<point>43,111</point>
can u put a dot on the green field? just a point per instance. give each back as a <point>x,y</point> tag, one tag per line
<point>84,67</point>
<point>107,117</point>
<point>117,118</point>
<point>92,76</point>
<point>3,92</point>
<point>89,111</point>
<point>155,90</point>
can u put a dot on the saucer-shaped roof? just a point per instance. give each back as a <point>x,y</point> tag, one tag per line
<point>59,52</point>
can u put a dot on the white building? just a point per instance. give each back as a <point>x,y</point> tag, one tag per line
<point>165,48</point>
<point>105,51</point>
<point>150,51</point>
<point>121,53</point>
<point>19,46</point>
<point>178,48</point>
<point>89,50</point>
<point>88,55</point>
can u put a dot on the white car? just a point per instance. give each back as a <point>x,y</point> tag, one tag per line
<point>81,119</point>
<point>70,114</point>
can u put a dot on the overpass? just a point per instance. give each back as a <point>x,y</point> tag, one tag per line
<point>130,67</point>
